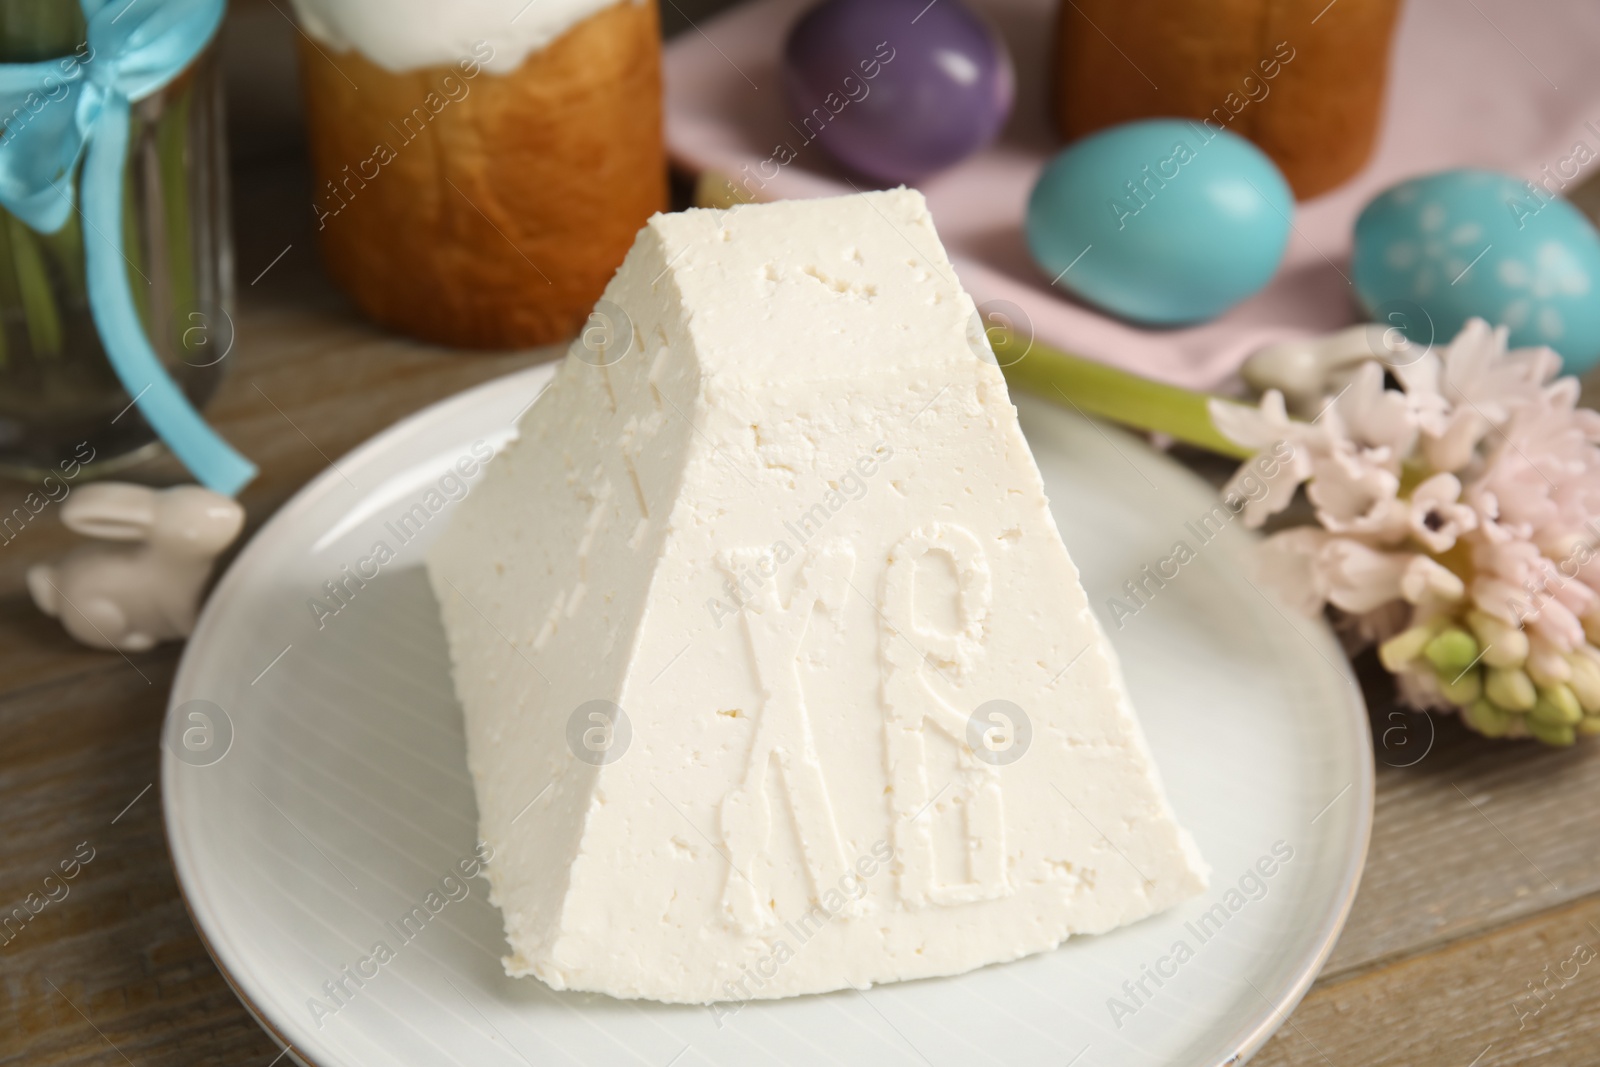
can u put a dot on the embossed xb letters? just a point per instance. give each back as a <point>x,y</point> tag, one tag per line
<point>911,705</point>
<point>776,632</point>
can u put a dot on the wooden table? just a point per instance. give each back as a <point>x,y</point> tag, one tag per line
<point>1483,875</point>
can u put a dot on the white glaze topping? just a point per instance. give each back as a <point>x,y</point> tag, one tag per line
<point>402,35</point>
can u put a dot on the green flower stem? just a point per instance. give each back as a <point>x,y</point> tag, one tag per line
<point>172,145</point>
<point>31,31</point>
<point>65,247</point>
<point>132,245</point>
<point>33,289</point>
<point>1097,389</point>
<point>9,298</point>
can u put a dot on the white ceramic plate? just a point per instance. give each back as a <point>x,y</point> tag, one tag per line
<point>321,793</point>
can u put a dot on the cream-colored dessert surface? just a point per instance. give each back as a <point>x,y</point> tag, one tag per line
<point>795,532</point>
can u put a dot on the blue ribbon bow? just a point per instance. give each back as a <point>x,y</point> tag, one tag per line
<point>58,110</point>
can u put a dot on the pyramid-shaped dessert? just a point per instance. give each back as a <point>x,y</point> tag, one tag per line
<point>777,676</point>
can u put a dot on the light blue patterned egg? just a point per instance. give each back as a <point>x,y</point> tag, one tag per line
<point>1465,243</point>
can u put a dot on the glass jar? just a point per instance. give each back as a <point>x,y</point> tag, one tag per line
<point>60,401</point>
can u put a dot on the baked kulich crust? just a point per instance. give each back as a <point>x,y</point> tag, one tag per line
<point>1121,60</point>
<point>499,212</point>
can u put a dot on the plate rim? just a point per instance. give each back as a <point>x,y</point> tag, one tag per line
<point>303,499</point>
<point>1245,1042</point>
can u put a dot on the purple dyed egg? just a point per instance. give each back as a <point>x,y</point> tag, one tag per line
<point>896,89</point>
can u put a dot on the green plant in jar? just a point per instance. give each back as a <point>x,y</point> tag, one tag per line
<point>111,339</point>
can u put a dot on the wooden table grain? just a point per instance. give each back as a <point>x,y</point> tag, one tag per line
<point>1481,892</point>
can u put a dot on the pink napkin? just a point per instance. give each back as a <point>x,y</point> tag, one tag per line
<point>1489,83</point>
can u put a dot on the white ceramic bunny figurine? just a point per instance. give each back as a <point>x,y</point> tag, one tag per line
<point>130,596</point>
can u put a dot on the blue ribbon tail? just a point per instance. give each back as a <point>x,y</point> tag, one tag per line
<point>209,458</point>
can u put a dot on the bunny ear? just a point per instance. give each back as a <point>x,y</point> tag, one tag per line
<point>112,511</point>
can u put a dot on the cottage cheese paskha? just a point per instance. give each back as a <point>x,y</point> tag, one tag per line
<point>777,509</point>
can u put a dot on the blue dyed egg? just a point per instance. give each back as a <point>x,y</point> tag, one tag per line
<point>1464,243</point>
<point>1163,221</point>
